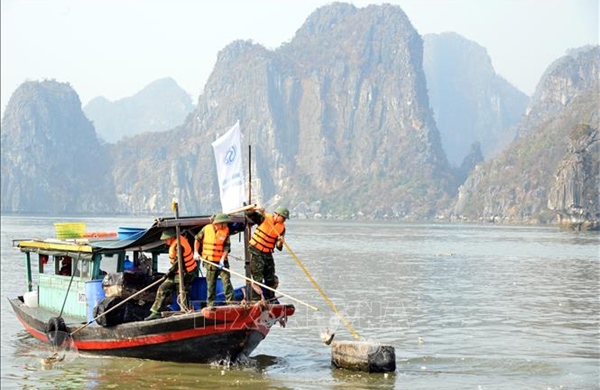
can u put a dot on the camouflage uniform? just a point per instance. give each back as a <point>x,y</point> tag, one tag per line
<point>170,286</point>
<point>207,239</point>
<point>212,273</point>
<point>262,266</point>
<point>171,283</point>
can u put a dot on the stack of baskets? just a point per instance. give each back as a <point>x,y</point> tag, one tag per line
<point>69,229</point>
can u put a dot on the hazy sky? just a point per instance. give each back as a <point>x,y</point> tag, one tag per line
<point>114,48</point>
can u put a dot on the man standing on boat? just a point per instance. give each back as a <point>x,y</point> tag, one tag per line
<point>171,283</point>
<point>268,235</point>
<point>216,244</point>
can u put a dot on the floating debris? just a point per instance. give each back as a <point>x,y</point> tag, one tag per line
<point>327,336</point>
<point>49,361</point>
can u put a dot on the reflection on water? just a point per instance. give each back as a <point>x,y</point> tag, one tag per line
<point>465,306</point>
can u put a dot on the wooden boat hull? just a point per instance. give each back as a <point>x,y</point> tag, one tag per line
<point>97,275</point>
<point>229,332</point>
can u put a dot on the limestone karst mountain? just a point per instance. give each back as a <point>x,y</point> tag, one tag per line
<point>532,173</point>
<point>51,160</point>
<point>471,103</point>
<point>338,120</point>
<point>339,123</point>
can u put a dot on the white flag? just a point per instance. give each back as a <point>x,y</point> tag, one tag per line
<point>228,156</point>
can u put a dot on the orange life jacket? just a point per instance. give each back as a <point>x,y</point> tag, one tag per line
<point>188,256</point>
<point>265,235</point>
<point>213,243</point>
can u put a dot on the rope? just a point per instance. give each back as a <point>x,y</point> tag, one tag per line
<point>184,308</point>
<point>262,285</point>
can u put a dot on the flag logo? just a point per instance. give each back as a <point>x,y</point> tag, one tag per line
<point>230,155</point>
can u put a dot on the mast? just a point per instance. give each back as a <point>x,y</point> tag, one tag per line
<point>182,295</point>
<point>247,232</point>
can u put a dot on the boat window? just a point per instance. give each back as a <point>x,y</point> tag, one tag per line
<point>144,263</point>
<point>164,263</point>
<point>108,263</point>
<point>138,262</point>
<point>46,264</point>
<point>83,269</point>
<point>78,267</point>
<point>65,263</point>
<point>129,264</point>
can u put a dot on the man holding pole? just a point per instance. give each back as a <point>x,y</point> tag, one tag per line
<point>216,244</point>
<point>268,235</point>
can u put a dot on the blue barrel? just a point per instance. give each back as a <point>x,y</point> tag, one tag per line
<point>128,265</point>
<point>198,294</point>
<point>94,293</point>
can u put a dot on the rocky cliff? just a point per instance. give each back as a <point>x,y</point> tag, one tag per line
<point>517,185</point>
<point>563,82</point>
<point>51,159</point>
<point>338,120</point>
<point>575,196</point>
<point>471,103</point>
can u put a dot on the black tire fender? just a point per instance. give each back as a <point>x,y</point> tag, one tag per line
<point>56,330</point>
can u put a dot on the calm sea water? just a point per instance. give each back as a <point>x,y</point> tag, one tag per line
<point>465,307</point>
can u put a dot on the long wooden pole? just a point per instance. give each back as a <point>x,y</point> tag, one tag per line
<point>182,295</point>
<point>240,209</point>
<point>73,269</point>
<point>320,290</point>
<point>120,303</point>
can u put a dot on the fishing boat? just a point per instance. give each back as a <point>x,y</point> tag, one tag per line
<point>101,302</point>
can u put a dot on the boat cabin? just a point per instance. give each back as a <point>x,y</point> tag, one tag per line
<point>70,272</point>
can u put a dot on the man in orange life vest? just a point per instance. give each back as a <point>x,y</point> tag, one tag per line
<point>267,236</point>
<point>216,244</point>
<point>171,283</point>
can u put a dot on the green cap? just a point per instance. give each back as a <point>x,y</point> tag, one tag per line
<point>168,233</point>
<point>285,213</point>
<point>222,218</point>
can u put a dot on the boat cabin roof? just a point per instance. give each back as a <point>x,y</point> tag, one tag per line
<point>147,240</point>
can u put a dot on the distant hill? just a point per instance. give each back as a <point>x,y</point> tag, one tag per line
<point>160,106</point>
<point>471,103</point>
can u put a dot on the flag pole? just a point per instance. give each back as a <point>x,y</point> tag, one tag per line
<point>180,265</point>
<point>247,230</point>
